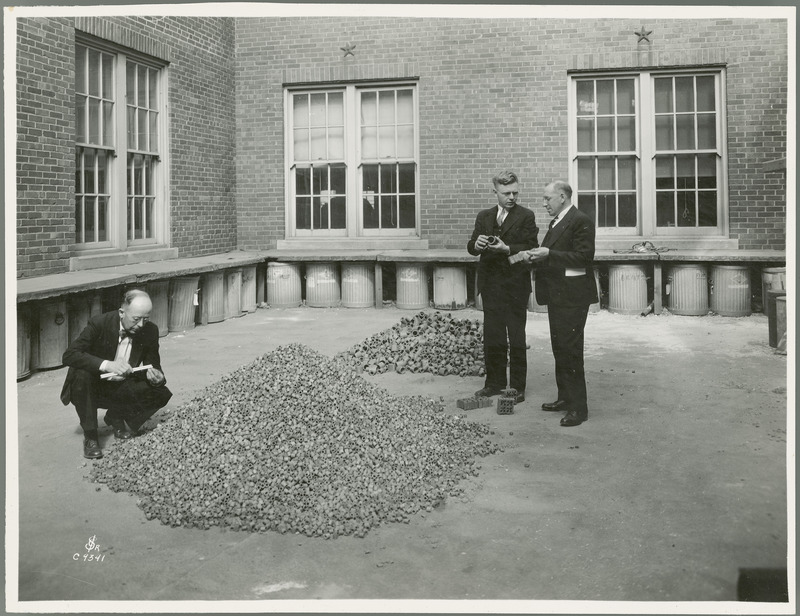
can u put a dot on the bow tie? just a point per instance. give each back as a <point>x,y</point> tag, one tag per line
<point>124,333</point>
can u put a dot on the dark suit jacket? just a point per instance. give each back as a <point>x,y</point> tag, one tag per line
<point>571,244</point>
<point>98,342</point>
<point>495,273</point>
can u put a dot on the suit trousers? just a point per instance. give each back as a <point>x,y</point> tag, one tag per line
<point>566,338</point>
<point>504,342</point>
<point>132,401</point>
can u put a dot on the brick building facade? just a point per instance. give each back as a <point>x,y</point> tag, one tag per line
<point>477,96</point>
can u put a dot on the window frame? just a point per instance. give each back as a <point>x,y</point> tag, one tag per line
<point>117,220</point>
<point>646,152</point>
<point>353,162</point>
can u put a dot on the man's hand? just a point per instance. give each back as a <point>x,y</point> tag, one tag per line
<point>481,243</point>
<point>155,376</point>
<point>537,254</point>
<point>120,368</point>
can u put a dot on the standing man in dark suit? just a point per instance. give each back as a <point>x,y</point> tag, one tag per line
<point>101,361</point>
<point>505,289</point>
<point>565,284</point>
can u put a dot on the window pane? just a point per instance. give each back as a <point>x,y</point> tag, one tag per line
<point>102,218</point>
<point>319,147</point>
<point>319,213</point>
<point>627,209</point>
<point>89,219</point>
<point>370,178</point>
<point>369,109</point>
<point>388,212</point>
<point>142,86</point>
<point>318,110</point>
<point>300,110</point>
<point>407,212</point>
<point>405,141</point>
<point>386,107</point>
<point>606,210</point>
<point>388,180</point>
<point>94,72</point>
<point>706,171</point>
<point>303,213</point>
<point>78,219</point>
<point>626,138</point>
<point>663,95</point>
<point>338,207</point>
<point>686,210</point>
<point>148,176</point>
<point>625,96</point>
<point>102,173</point>
<point>586,204</point>
<point>605,96</point>
<point>706,96</point>
<point>152,89</point>
<point>336,143</point>
<point>130,82</point>
<point>369,142</point>
<point>685,170</point>
<point>665,176</point>
<point>132,128</point>
<point>94,121</point>
<point>684,94</point>
<point>338,179</point>
<point>627,173</point>
<point>405,106</point>
<point>407,182</point>
<point>335,109</point>
<point>89,187</point>
<point>370,210</point>
<point>153,131</point>
<point>586,135</point>
<point>143,124</point>
<point>585,95</point>
<point>108,77</point>
<point>664,134</point>
<point>606,174</point>
<point>665,209</point>
<point>148,218</point>
<point>707,205</point>
<point>685,132</point>
<point>586,177</point>
<point>130,215</point>
<point>80,119</point>
<point>386,142</point>
<point>605,135</point>
<point>302,181</point>
<point>108,123</point>
<point>706,131</point>
<point>301,144</point>
<point>80,69</point>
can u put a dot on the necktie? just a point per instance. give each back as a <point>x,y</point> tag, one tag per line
<point>501,216</point>
<point>552,224</point>
<point>124,333</point>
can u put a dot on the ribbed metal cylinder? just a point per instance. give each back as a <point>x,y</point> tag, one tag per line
<point>23,341</point>
<point>81,308</point>
<point>449,287</point>
<point>233,293</point>
<point>248,301</point>
<point>730,290</point>
<point>772,279</point>
<point>49,334</point>
<point>358,285</point>
<point>159,295</point>
<point>212,297</point>
<point>182,303</point>
<point>687,289</point>
<point>284,288</point>
<point>627,288</point>
<point>323,289</point>
<point>412,286</point>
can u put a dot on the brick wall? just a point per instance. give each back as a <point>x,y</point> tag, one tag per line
<point>493,94</point>
<point>201,111</point>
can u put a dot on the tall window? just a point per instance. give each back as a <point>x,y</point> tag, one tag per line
<point>352,165</point>
<point>119,183</point>
<point>647,152</point>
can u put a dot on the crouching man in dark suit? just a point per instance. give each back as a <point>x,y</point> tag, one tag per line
<point>565,284</point>
<point>101,361</point>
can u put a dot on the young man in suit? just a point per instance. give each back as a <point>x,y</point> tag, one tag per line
<point>565,284</point>
<point>505,289</point>
<point>101,361</point>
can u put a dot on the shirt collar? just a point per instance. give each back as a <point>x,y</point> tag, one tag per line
<point>561,214</point>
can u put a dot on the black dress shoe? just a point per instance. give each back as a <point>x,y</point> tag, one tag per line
<point>520,397</point>
<point>558,405</point>
<point>572,419</point>
<point>91,449</point>
<point>122,433</point>
<point>488,392</point>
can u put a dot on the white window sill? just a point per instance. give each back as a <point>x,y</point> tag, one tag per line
<point>116,258</point>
